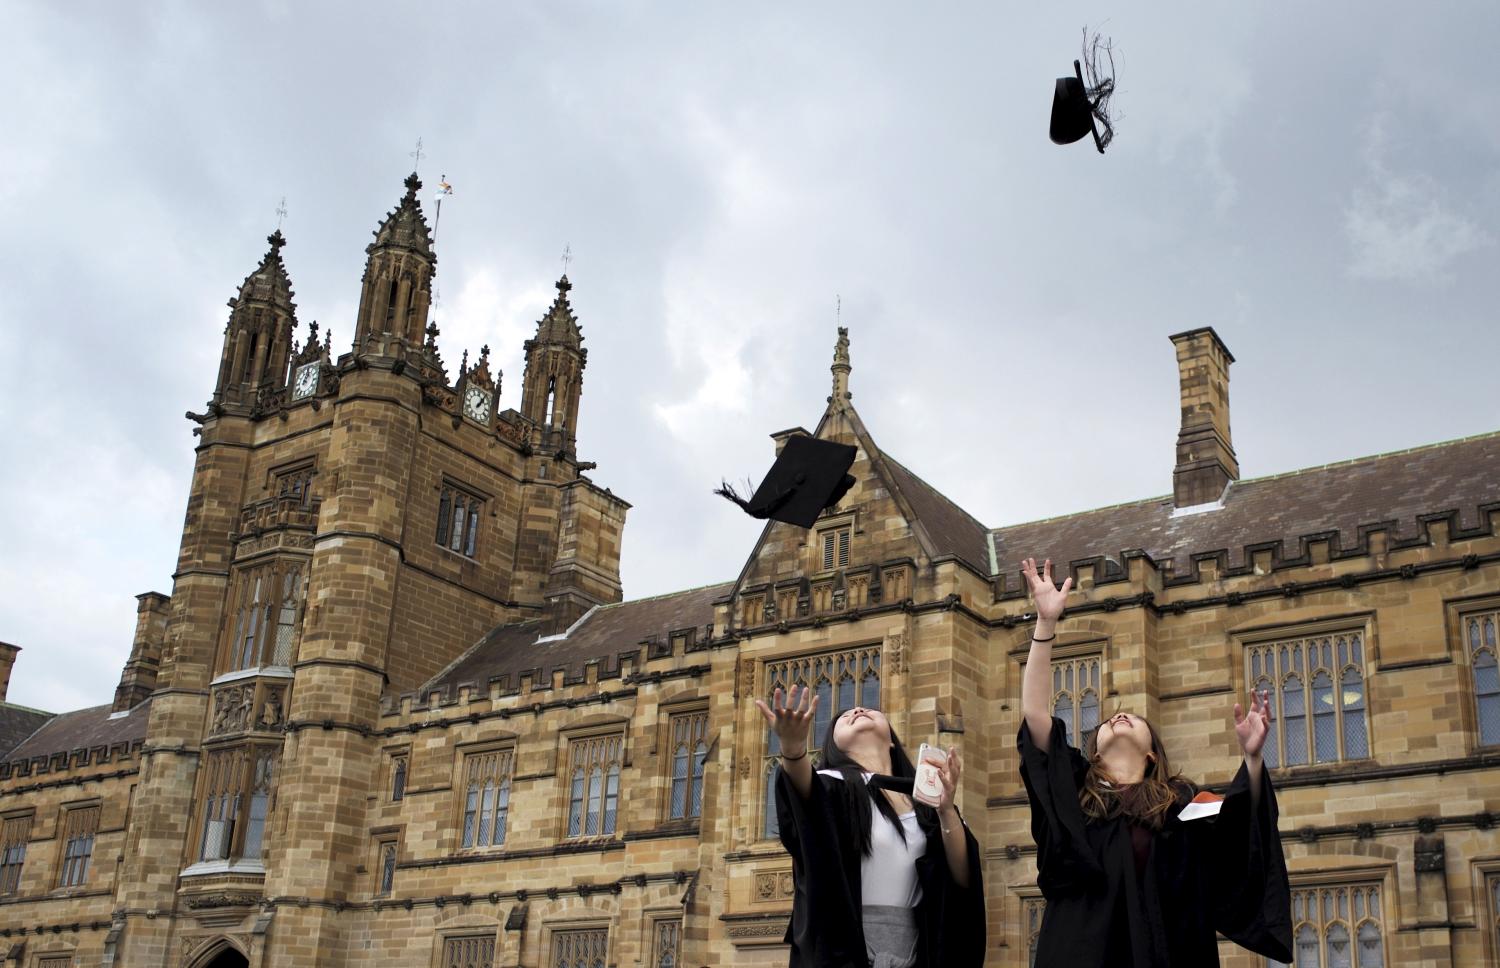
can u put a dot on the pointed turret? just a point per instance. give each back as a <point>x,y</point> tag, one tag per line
<point>258,338</point>
<point>553,381</point>
<point>841,370</point>
<point>397,285</point>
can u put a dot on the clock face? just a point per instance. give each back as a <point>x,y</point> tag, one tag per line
<point>306,383</point>
<point>477,405</point>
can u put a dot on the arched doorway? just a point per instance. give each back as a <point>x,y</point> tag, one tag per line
<point>226,957</point>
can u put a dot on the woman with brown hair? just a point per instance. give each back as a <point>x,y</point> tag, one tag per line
<point>1139,867</point>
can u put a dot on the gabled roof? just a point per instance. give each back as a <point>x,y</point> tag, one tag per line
<point>950,529</point>
<point>510,651</point>
<point>17,723</point>
<point>84,729</point>
<point>1347,498</point>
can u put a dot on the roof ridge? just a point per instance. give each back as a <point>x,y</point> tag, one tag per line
<point>653,598</point>
<point>1370,457</point>
<point>1256,480</point>
<point>6,704</point>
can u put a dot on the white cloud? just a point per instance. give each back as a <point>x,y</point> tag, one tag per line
<point>1400,226</point>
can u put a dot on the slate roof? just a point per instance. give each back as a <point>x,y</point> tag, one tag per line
<point>951,529</point>
<point>1389,490</point>
<point>84,729</point>
<point>17,723</point>
<point>512,650</point>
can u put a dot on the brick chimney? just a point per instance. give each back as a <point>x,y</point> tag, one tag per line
<point>1205,456</point>
<point>7,660</point>
<point>138,679</point>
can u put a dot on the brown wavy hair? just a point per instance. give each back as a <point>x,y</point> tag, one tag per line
<point>1146,802</point>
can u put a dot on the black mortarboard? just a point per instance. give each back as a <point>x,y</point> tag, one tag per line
<point>808,476</point>
<point>1077,106</point>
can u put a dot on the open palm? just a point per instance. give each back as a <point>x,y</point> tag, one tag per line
<point>1049,599</point>
<point>1253,727</point>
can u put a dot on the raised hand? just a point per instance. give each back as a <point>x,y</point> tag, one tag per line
<point>1253,727</point>
<point>791,720</point>
<point>1049,599</point>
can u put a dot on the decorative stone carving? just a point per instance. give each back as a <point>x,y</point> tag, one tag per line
<point>220,899</point>
<point>896,644</point>
<point>774,885</point>
<point>270,710</point>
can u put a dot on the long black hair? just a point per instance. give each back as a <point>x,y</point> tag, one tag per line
<point>855,791</point>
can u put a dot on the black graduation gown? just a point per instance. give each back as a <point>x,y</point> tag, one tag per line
<point>1224,873</point>
<point>826,930</point>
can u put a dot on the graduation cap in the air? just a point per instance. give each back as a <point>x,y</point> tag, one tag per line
<point>808,476</point>
<point>1080,108</point>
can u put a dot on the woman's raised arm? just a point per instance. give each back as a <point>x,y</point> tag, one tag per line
<point>792,721</point>
<point>1036,684</point>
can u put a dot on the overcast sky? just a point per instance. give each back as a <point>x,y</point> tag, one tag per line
<point>1319,182</point>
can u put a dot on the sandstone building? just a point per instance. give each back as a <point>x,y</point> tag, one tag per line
<point>396,712</point>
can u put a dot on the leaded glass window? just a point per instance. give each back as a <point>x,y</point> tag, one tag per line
<point>579,949</point>
<point>1317,691</point>
<point>398,778</point>
<point>1339,926</point>
<point>267,616</point>
<point>458,520</point>
<point>14,834</point>
<point>387,869</point>
<point>486,797</point>
<point>593,806</point>
<point>1033,908</point>
<point>79,827</point>
<point>689,750</point>
<point>473,952</point>
<point>823,673</point>
<point>1480,632</point>
<point>1075,695</point>
<point>239,784</point>
<point>666,943</point>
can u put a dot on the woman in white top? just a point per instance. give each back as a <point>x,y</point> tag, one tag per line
<point>879,881</point>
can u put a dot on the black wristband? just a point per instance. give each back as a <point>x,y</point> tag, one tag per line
<point>793,759</point>
<point>1048,639</point>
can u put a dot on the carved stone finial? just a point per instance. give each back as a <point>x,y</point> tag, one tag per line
<point>841,367</point>
<point>276,239</point>
<point>432,334</point>
<point>563,285</point>
<point>413,185</point>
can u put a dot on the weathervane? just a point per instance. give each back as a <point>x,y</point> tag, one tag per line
<point>567,257</point>
<point>280,213</point>
<point>417,155</point>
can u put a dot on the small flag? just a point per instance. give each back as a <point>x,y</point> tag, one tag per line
<point>443,189</point>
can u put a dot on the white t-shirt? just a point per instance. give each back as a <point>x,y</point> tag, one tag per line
<point>888,876</point>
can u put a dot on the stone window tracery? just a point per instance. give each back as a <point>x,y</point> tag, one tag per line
<point>14,835</point>
<point>1480,633</point>
<point>689,749</point>
<point>486,797</point>
<point>79,826</point>
<point>1076,688</point>
<point>1336,927</point>
<point>267,616</point>
<point>1317,689</point>
<point>238,786</point>
<point>594,785</point>
<point>473,952</point>
<point>666,943</point>
<point>579,949</point>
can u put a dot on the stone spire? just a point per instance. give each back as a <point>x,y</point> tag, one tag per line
<point>841,369</point>
<point>553,381</point>
<point>258,337</point>
<point>397,286</point>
